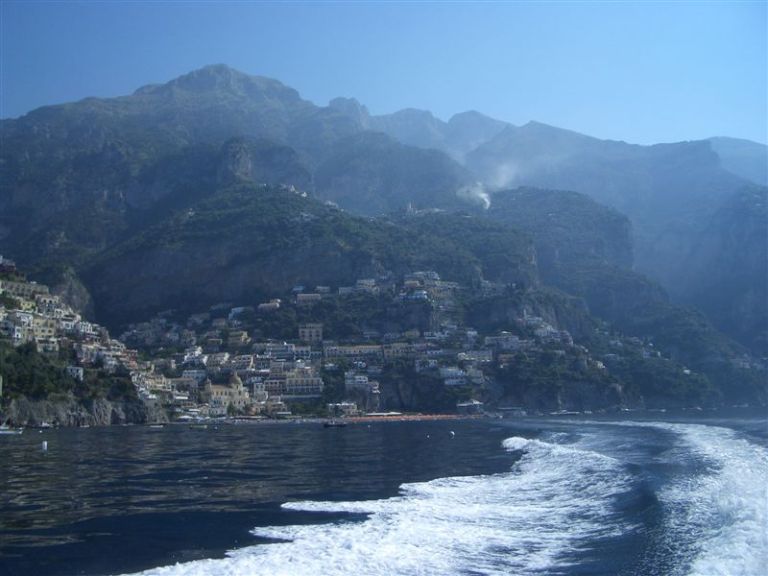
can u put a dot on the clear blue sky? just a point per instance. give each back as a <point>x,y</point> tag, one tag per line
<point>642,72</point>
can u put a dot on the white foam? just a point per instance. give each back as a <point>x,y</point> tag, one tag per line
<point>724,509</point>
<point>720,511</point>
<point>554,502</point>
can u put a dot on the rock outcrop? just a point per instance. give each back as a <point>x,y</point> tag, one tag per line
<point>65,410</point>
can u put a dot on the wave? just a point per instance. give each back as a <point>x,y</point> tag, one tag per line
<point>714,499</point>
<point>723,509</point>
<point>562,504</point>
<point>555,502</point>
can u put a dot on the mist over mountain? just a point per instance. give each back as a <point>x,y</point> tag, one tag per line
<point>743,157</point>
<point>371,173</point>
<point>727,272</point>
<point>667,190</point>
<point>461,134</point>
<point>212,186</point>
<point>670,192</point>
<point>585,249</point>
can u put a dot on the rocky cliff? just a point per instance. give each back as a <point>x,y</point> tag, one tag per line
<point>65,410</point>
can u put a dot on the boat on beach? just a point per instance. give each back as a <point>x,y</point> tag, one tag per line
<point>6,430</point>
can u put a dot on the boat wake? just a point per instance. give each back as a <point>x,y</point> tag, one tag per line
<point>561,506</point>
<point>554,502</point>
<point>723,510</point>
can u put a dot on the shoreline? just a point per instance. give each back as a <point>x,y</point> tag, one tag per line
<point>340,421</point>
<point>246,421</point>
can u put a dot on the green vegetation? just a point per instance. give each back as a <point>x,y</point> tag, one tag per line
<point>420,391</point>
<point>371,173</point>
<point>26,372</point>
<point>246,242</point>
<point>584,249</point>
<point>568,228</point>
<point>151,200</point>
<point>9,302</point>
<point>727,275</point>
<point>543,379</point>
<point>662,383</point>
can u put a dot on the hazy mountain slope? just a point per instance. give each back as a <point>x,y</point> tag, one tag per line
<point>150,198</point>
<point>667,190</point>
<point>370,173</point>
<point>743,157</point>
<point>585,249</point>
<point>413,127</point>
<point>93,204</point>
<point>77,178</point>
<point>727,274</point>
<point>72,174</point>
<point>245,241</point>
<point>462,133</point>
<point>569,227</point>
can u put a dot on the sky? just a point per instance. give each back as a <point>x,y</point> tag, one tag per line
<point>643,72</point>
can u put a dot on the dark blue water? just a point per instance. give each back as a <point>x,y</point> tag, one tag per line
<point>533,496</point>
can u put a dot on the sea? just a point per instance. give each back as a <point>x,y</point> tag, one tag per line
<point>646,494</point>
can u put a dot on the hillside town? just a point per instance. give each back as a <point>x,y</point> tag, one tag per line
<point>220,362</point>
<point>313,352</point>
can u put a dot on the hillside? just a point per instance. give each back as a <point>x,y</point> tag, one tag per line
<point>460,135</point>
<point>370,173</point>
<point>221,186</point>
<point>584,249</point>
<point>569,228</point>
<point>245,241</point>
<point>78,178</point>
<point>666,190</point>
<point>743,157</point>
<point>727,275</point>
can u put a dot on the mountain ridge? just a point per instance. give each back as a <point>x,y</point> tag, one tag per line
<point>79,178</point>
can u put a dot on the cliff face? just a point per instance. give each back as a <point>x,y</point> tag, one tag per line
<point>371,173</point>
<point>727,272</point>
<point>567,227</point>
<point>64,410</point>
<point>667,190</point>
<point>576,395</point>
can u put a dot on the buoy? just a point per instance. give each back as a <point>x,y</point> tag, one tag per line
<point>453,433</point>
<point>45,445</point>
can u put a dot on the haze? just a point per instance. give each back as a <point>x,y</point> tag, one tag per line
<point>644,73</point>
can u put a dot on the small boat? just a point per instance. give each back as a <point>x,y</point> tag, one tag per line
<point>6,430</point>
<point>334,424</point>
<point>198,426</point>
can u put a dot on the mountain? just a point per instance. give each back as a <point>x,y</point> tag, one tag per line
<point>727,272</point>
<point>667,190</point>
<point>569,228</point>
<point>585,249</point>
<point>74,176</point>
<point>78,178</point>
<point>371,173</point>
<point>461,134</point>
<point>212,187</point>
<point>743,157</point>
<point>246,241</point>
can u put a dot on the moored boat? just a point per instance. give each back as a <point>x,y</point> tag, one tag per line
<point>7,430</point>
